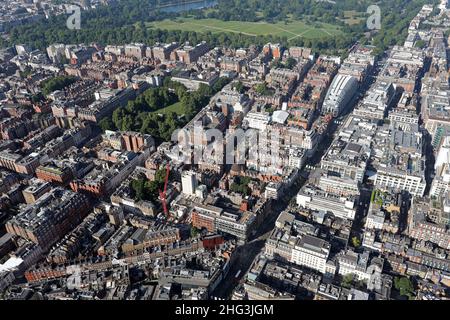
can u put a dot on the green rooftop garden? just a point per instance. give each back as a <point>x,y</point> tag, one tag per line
<point>377,197</point>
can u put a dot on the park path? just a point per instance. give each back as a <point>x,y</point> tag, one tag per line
<point>221,29</point>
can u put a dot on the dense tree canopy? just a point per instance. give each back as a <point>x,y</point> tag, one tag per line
<point>56,83</point>
<point>144,115</point>
<point>276,10</point>
<point>144,189</point>
<point>124,22</point>
<point>404,286</point>
<point>240,185</point>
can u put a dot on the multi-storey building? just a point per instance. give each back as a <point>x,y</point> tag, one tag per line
<point>50,218</point>
<point>311,252</point>
<point>313,198</point>
<point>360,265</point>
<point>399,160</point>
<point>421,227</point>
<point>377,102</point>
<point>341,92</point>
<point>52,173</point>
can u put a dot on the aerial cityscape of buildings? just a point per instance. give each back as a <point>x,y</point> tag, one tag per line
<point>338,187</point>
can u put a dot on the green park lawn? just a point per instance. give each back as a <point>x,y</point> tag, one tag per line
<point>178,108</point>
<point>291,30</point>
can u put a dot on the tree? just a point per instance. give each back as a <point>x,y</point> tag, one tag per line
<point>222,82</point>
<point>356,242</point>
<point>160,176</point>
<point>240,185</point>
<point>138,186</point>
<point>239,87</point>
<point>144,189</point>
<point>269,109</point>
<point>38,97</point>
<point>26,72</point>
<point>420,44</point>
<point>106,124</point>
<point>347,280</point>
<point>261,88</point>
<point>204,91</point>
<point>291,63</point>
<point>150,124</point>
<point>118,116</point>
<point>404,286</point>
<point>56,83</point>
<point>125,22</point>
<point>194,232</point>
<point>127,123</point>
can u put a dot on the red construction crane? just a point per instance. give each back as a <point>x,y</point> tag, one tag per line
<point>163,195</point>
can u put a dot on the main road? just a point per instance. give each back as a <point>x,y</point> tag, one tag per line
<point>246,253</point>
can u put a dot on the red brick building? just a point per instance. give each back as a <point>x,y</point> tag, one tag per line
<point>53,174</point>
<point>201,221</point>
<point>95,189</point>
<point>212,242</point>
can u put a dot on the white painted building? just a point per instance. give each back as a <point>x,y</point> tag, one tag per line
<point>341,91</point>
<point>400,180</point>
<point>311,252</point>
<point>257,120</point>
<point>189,182</point>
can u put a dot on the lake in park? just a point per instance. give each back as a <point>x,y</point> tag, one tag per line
<point>189,5</point>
